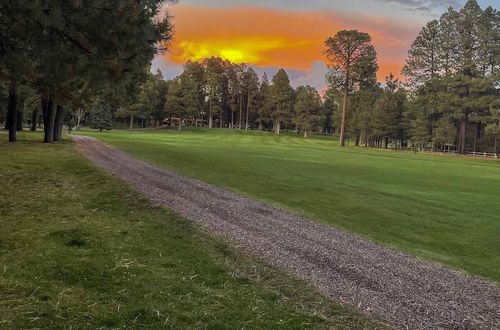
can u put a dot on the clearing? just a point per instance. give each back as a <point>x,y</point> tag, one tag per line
<point>442,208</point>
<point>81,249</point>
<point>401,289</point>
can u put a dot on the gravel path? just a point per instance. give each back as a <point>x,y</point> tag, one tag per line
<point>401,289</point>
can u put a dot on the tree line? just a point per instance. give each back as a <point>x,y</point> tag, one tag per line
<point>448,99</point>
<point>217,93</point>
<point>58,57</point>
<point>453,67</point>
<point>450,96</point>
<point>75,71</point>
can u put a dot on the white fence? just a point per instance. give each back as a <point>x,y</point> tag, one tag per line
<point>468,153</point>
<point>483,154</point>
<point>453,152</point>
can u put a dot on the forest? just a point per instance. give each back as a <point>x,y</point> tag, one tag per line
<point>59,59</point>
<point>447,98</point>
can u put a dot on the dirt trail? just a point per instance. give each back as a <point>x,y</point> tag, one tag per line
<point>401,289</point>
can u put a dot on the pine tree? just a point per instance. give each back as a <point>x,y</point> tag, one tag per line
<point>68,53</point>
<point>265,102</point>
<point>388,117</point>
<point>215,83</point>
<point>17,57</point>
<point>251,83</point>
<point>195,72</point>
<point>101,117</point>
<point>361,110</point>
<point>351,56</point>
<point>424,56</point>
<point>281,98</point>
<point>330,111</point>
<point>307,109</point>
<point>234,91</point>
<point>444,133</point>
<point>493,127</point>
<point>460,84</point>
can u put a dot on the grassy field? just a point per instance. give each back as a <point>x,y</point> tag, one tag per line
<point>80,249</point>
<point>442,208</point>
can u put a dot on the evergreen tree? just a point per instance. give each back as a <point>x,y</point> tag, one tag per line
<point>444,133</point>
<point>182,98</point>
<point>352,57</point>
<point>101,117</point>
<point>361,109</point>
<point>240,73</point>
<point>281,99</point>
<point>251,83</point>
<point>265,102</point>
<point>195,72</point>
<point>388,118</point>
<point>17,58</point>
<point>215,86</point>
<point>459,83</point>
<point>424,57</point>
<point>234,91</point>
<point>307,109</point>
<point>330,111</point>
<point>66,51</point>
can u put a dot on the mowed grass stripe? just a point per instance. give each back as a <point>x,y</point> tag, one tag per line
<point>442,208</point>
<point>81,249</point>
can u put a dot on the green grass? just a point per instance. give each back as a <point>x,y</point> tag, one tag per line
<point>80,249</point>
<point>442,208</point>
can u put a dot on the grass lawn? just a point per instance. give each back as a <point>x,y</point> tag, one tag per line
<point>80,249</point>
<point>442,208</point>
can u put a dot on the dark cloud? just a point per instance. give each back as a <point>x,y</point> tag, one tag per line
<point>426,5</point>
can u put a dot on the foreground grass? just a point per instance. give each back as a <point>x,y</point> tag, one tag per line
<point>81,249</point>
<point>441,208</point>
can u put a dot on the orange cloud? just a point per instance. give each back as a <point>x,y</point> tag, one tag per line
<point>267,37</point>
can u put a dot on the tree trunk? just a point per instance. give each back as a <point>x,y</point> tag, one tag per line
<point>19,115</point>
<point>241,110</point>
<point>477,128</point>
<point>344,110</point>
<point>463,135</point>
<point>220,119</point>
<point>12,112</point>
<point>277,127</point>
<point>34,118</point>
<point>180,125</point>
<point>305,134</point>
<point>49,116</point>
<point>40,119</point>
<point>210,123</point>
<point>58,123</point>
<point>248,111</point>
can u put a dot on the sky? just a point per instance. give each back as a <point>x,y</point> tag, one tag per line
<point>289,34</point>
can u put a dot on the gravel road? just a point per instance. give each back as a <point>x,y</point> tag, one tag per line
<point>403,290</point>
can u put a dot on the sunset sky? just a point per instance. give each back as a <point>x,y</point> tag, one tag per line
<point>270,34</point>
